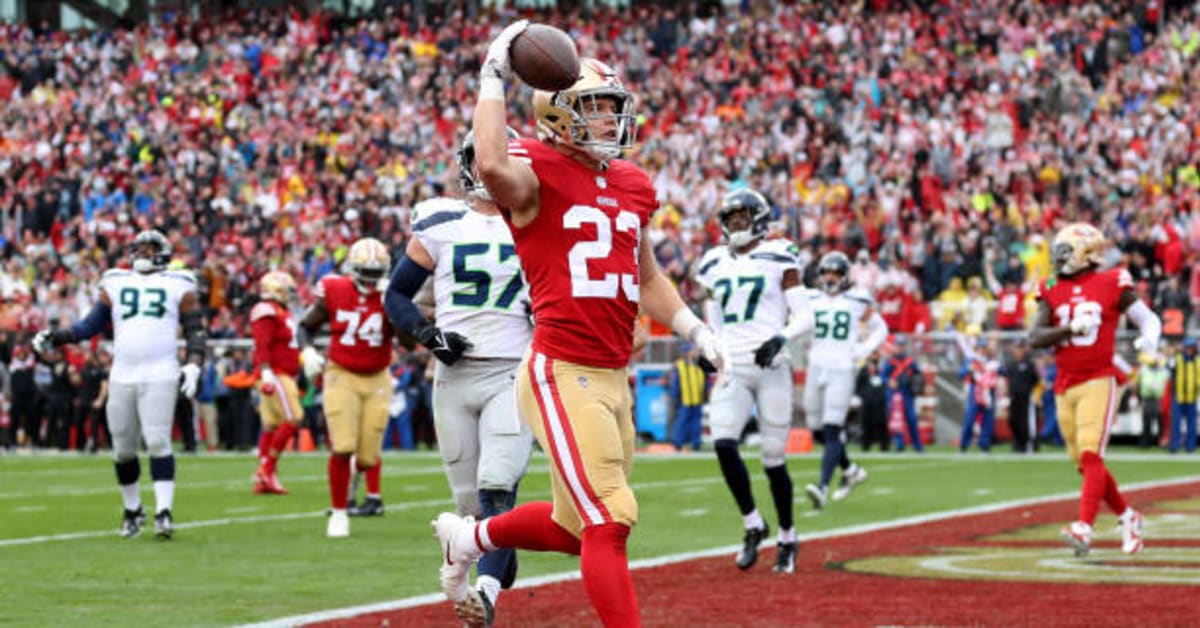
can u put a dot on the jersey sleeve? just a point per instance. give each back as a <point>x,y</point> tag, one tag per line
<point>706,271</point>
<point>1124,279</point>
<point>262,329</point>
<point>1043,290</point>
<point>437,219</point>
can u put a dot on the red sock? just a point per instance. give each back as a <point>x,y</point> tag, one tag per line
<point>1094,484</point>
<point>281,440</point>
<point>605,568</point>
<point>1112,494</point>
<point>372,475</point>
<point>530,527</point>
<point>264,445</point>
<point>339,481</point>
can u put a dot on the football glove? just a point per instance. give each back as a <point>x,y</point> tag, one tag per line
<point>313,362</point>
<point>712,358</point>
<point>496,64</point>
<point>1144,345</point>
<point>446,346</point>
<point>267,379</point>
<point>1083,324</point>
<point>190,380</point>
<point>765,354</point>
<point>48,339</point>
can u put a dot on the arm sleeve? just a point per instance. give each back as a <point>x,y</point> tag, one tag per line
<point>713,315</point>
<point>96,321</point>
<point>1147,322</point>
<point>802,315</point>
<point>398,301</point>
<point>262,330</point>
<point>877,332</point>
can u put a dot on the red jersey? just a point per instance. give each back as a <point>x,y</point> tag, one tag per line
<point>1097,293</point>
<point>360,335</point>
<point>580,255</point>
<point>890,305</point>
<point>274,332</point>
<point>1010,309</point>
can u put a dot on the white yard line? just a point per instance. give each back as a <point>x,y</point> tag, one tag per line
<point>524,583</point>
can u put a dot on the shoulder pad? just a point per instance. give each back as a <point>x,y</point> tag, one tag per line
<point>1124,279</point>
<point>436,211</point>
<point>182,275</point>
<point>710,258</point>
<point>114,273</point>
<point>263,309</point>
<point>860,295</point>
<point>775,251</point>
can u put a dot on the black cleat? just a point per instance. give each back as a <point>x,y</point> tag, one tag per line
<point>785,558</point>
<point>164,525</point>
<point>749,554</point>
<point>131,524</point>
<point>372,507</point>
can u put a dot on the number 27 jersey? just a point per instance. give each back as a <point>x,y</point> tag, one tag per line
<point>749,290</point>
<point>1096,294</point>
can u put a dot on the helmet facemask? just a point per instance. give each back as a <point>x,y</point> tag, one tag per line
<point>837,265</point>
<point>568,116</point>
<point>470,183</point>
<point>757,214</point>
<point>151,252</point>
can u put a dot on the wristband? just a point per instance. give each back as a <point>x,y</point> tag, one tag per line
<point>491,88</point>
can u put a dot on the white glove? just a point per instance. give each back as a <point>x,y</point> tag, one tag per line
<point>191,380</point>
<point>710,349</point>
<point>496,64</point>
<point>1142,344</point>
<point>313,362</point>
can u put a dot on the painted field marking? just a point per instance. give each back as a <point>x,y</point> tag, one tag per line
<point>525,583</point>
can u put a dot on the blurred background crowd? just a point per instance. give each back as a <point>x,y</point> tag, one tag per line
<point>940,144</point>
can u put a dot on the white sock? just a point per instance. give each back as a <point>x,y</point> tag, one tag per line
<point>129,495</point>
<point>485,540</point>
<point>164,495</point>
<point>337,510</point>
<point>490,587</point>
<point>753,520</point>
<point>787,536</point>
<point>1128,514</point>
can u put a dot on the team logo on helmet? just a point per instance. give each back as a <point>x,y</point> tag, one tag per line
<point>834,272</point>
<point>758,214</point>
<point>367,263</point>
<point>277,286</point>
<point>151,252</point>
<point>566,116</point>
<point>1077,247</point>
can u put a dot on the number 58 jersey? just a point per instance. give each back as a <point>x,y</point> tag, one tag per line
<point>748,289</point>
<point>837,319</point>
<point>145,318</point>
<point>478,287</point>
<point>1089,294</point>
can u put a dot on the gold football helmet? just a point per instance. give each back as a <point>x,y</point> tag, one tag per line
<point>277,286</point>
<point>367,263</point>
<point>565,116</point>
<point>1076,247</point>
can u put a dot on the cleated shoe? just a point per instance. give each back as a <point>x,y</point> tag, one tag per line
<point>1131,532</point>
<point>164,524</point>
<point>476,611</point>
<point>456,536</point>
<point>785,558</point>
<point>749,554</point>
<point>131,524</point>
<point>852,477</point>
<point>372,507</point>
<point>1079,536</point>
<point>816,495</point>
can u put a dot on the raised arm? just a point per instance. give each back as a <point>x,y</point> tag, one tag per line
<point>510,182</point>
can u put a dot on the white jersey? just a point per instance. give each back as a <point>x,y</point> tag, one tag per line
<point>748,289</point>
<point>837,321</point>
<point>478,287</point>
<point>145,318</point>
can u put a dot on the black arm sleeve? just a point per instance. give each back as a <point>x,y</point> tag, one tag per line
<point>195,336</point>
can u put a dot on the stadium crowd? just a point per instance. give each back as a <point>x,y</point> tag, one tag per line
<point>937,143</point>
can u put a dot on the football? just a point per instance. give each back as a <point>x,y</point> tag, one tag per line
<point>545,58</point>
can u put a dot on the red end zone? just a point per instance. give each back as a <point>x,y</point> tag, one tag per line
<point>712,592</point>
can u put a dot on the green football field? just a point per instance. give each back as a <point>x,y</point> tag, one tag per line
<point>238,557</point>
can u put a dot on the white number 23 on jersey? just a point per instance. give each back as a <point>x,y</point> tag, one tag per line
<point>582,285</point>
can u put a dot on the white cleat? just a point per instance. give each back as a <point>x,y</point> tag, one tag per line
<point>1079,536</point>
<point>339,524</point>
<point>817,495</point>
<point>1131,533</point>
<point>852,477</point>
<point>456,536</point>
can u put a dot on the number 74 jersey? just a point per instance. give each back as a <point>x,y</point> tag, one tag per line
<point>1094,295</point>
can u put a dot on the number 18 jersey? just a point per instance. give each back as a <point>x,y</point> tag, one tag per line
<point>836,322</point>
<point>478,287</point>
<point>1096,294</point>
<point>580,255</point>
